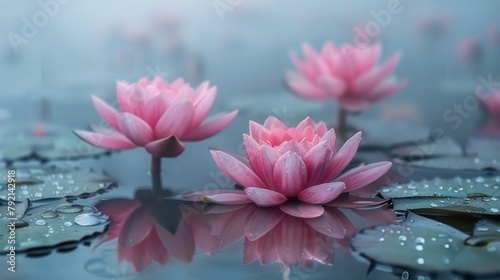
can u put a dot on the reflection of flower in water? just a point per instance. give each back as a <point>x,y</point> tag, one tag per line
<point>273,236</point>
<point>150,230</point>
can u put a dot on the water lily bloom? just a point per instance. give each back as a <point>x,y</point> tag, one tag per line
<point>348,74</point>
<point>296,163</point>
<point>157,115</point>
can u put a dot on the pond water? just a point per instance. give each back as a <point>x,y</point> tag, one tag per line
<point>95,214</point>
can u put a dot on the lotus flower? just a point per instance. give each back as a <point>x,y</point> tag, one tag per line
<point>157,115</point>
<point>145,235</point>
<point>297,163</point>
<point>348,75</point>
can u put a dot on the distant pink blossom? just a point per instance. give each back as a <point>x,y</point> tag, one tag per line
<point>296,163</point>
<point>157,115</point>
<point>348,74</point>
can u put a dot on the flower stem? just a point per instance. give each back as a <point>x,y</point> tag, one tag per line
<point>342,123</point>
<point>156,173</point>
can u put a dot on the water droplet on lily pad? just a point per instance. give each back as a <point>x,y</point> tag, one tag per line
<point>49,214</point>
<point>40,223</point>
<point>69,208</point>
<point>88,219</point>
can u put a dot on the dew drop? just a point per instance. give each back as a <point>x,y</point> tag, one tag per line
<point>420,261</point>
<point>69,208</point>
<point>494,210</point>
<point>434,205</point>
<point>419,240</point>
<point>49,214</point>
<point>68,224</point>
<point>402,238</point>
<point>419,247</point>
<point>482,228</point>
<point>40,223</point>
<point>479,179</point>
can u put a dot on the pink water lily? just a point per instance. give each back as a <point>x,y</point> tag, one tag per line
<point>348,74</point>
<point>492,102</point>
<point>157,115</point>
<point>297,163</point>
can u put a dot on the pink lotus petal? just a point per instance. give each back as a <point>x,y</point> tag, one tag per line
<point>265,197</point>
<point>262,159</point>
<point>156,106</point>
<point>176,120</point>
<point>137,130</point>
<point>122,94</point>
<point>262,221</point>
<point>370,79</point>
<point>304,88</point>
<point>106,141</point>
<point>203,107</point>
<point>273,123</point>
<point>255,130</point>
<point>323,193</point>
<point>302,210</point>
<point>350,201</point>
<point>317,160</point>
<point>251,251</point>
<point>210,127</point>
<point>333,86</point>
<point>343,157</point>
<point>290,174</point>
<point>330,223</point>
<point>307,122</point>
<point>168,147</point>
<point>237,169</point>
<point>107,112</point>
<point>364,175</point>
<point>227,198</point>
<point>136,228</point>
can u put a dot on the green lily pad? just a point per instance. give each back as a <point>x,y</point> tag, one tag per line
<point>465,196</point>
<point>426,245</point>
<point>45,183</point>
<point>460,163</point>
<point>23,142</point>
<point>38,230</point>
<point>420,150</point>
<point>387,133</point>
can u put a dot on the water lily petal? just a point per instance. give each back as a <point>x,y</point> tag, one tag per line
<point>323,193</point>
<point>265,197</point>
<point>364,175</point>
<point>137,130</point>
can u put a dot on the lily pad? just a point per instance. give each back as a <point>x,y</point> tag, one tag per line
<point>42,233</point>
<point>388,133</point>
<point>420,150</point>
<point>476,195</point>
<point>23,142</point>
<point>426,245</point>
<point>460,163</point>
<point>46,183</point>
